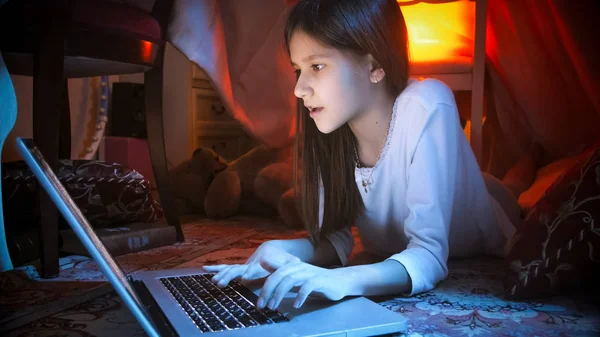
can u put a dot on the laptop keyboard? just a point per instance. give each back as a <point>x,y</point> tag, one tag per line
<point>216,309</point>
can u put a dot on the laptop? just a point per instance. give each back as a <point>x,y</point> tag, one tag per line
<point>184,302</point>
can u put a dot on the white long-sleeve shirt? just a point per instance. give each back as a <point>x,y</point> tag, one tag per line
<point>426,199</point>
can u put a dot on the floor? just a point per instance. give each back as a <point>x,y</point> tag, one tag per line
<point>468,303</point>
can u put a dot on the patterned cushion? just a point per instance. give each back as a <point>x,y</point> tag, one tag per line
<point>108,194</point>
<point>557,247</point>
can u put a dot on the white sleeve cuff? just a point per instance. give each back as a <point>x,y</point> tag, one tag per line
<point>423,269</point>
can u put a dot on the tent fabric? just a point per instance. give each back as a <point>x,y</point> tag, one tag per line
<point>239,44</point>
<point>541,82</point>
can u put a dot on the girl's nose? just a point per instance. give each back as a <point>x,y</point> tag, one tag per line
<point>302,89</point>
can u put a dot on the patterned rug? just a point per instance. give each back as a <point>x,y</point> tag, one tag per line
<point>468,303</point>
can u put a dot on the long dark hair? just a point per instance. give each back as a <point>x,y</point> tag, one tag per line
<point>361,27</point>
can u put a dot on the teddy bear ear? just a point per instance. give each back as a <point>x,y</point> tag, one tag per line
<point>197,151</point>
<point>219,164</point>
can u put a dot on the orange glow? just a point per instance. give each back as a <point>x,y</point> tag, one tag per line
<point>147,51</point>
<point>439,31</point>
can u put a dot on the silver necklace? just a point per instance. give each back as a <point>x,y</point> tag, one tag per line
<point>365,182</point>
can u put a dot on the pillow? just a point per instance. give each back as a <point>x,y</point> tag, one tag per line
<point>108,194</point>
<point>545,176</point>
<point>557,247</point>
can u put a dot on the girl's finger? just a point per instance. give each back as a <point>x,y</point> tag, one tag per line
<point>273,263</point>
<point>215,268</point>
<point>232,273</point>
<point>254,271</point>
<point>273,281</point>
<point>305,290</point>
<point>284,287</point>
<point>220,274</point>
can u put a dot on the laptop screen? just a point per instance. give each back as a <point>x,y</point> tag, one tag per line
<point>84,231</point>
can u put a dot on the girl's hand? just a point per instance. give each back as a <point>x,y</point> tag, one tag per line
<point>249,271</point>
<point>289,272</point>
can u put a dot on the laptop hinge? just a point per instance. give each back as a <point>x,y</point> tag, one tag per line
<point>160,321</point>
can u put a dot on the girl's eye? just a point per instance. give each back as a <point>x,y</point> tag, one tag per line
<point>297,72</point>
<point>317,67</point>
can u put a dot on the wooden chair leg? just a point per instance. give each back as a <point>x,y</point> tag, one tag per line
<point>153,91</point>
<point>64,138</point>
<point>477,91</point>
<point>48,85</point>
<point>8,117</point>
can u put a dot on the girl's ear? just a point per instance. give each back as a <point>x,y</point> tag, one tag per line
<point>377,73</point>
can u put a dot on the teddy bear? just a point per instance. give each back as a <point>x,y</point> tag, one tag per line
<point>260,182</point>
<point>192,177</point>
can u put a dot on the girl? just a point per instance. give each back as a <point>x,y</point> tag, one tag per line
<point>381,152</point>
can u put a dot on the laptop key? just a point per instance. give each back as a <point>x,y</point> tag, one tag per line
<point>275,316</point>
<point>233,324</point>
<point>245,304</point>
<point>248,321</point>
<point>237,312</point>
<point>270,313</point>
<point>203,327</point>
<point>231,306</point>
<point>204,312</point>
<point>279,319</point>
<point>212,321</point>
<point>218,326</point>
<point>261,319</point>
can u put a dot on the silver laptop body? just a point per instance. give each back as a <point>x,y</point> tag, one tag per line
<point>169,302</point>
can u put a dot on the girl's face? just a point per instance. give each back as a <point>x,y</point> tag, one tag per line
<point>334,86</point>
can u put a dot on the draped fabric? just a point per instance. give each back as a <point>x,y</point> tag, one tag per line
<point>239,44</point>
<point>541,82</point>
